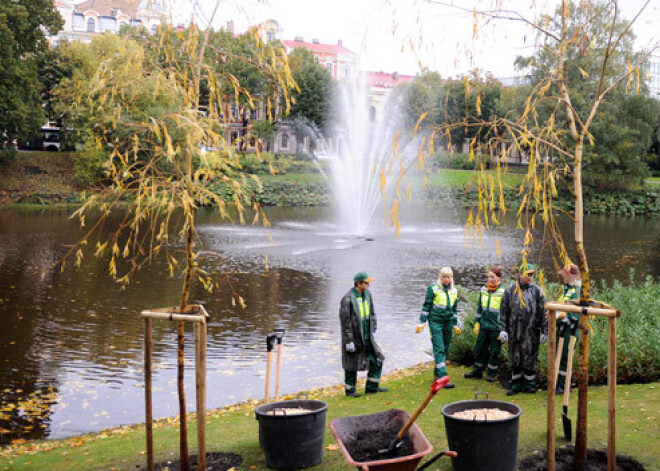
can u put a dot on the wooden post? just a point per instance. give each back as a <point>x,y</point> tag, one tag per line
<point>200,386</point>
<point>611,395</point>
<point>147,395</point>
<point>552,384</point>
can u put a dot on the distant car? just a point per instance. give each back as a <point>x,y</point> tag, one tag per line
<point>51,134</point>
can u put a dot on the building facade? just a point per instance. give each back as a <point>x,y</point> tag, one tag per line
<point>83,20</point>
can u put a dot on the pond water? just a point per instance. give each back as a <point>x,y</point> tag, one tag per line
<point>71,343</point>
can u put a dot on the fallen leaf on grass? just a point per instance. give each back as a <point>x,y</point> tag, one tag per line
<point>332,447</point>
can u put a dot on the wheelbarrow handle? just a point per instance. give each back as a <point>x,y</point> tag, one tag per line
<point>452,454</point>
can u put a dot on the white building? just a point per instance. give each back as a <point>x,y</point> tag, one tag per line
<point>85,19</point>
<point>652,75</point>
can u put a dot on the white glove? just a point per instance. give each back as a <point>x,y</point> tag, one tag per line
<point>544,338</point>
<point>504,337</point>
<point>350,347</point>
<point>419,328</point>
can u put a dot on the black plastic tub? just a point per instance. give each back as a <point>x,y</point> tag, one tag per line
<point>292,441</point>
<point>483,445</point>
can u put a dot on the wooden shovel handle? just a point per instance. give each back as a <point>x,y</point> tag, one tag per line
<point>569,369</point>
<point>560,347</point>
<point>435,387</point>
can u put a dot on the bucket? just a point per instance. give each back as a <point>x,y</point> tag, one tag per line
<point>482,445</point>
<point>292,441</point>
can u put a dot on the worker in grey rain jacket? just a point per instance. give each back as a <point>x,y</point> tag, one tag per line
<point>359,348</point>
<point>524,326</point>
<point>487,328</point>
<point>440,309</point>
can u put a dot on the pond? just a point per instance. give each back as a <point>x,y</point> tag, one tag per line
<point>71,343</point>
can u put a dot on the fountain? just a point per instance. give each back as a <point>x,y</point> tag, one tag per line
<point>369,159</point>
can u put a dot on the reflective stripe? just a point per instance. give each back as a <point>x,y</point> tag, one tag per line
<point>440,365</point>
<point>363,305</point>
<point>516,376</point>
<point>373,380</point>
<point>478,365</point>
<point>444,299</point>
<point>562,373</point>
<point>493,367</point>
<point>571,293</point>
<point>530,377</point>
<point>350,387</point>
<point>491,301</point>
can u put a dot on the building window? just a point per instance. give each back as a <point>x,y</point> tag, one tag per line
<point>154,29</point>
<point>328,67</point>
<point>270,36</point>
<point>285,142</point>
<point>347,71</point>
<point>78,21</point>
<point>91,25</point>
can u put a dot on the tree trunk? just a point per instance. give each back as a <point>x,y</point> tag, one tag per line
<point>580,456</point>
<point>183,429</point>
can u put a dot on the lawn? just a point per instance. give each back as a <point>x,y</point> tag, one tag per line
<point>234,429</point>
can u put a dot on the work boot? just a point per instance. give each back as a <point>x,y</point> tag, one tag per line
<point>475,373</point>
<point>511,392</point>
<point>450,386</point>
<point>559,391</point>
<point>490,378</point>
<point>530,390</point>
<point>352,394</point>
<point>376,391</point>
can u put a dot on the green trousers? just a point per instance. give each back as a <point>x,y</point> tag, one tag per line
<point>487,352</point>
<point>441,333</point>
<point>373,373</point>
<point>563,363</point>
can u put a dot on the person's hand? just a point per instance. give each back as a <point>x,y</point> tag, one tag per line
<point>476,329</point>
<point>544,338</point>
<point>560,315</point>
<point>457,330</point>
<point>350,347</point>
<point>504,337</point>
<point>419,328</point>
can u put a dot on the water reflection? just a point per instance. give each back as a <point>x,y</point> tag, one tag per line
<point>71,343</point>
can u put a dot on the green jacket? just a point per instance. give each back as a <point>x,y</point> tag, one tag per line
<point>488,308</point>
<point>440,305</point>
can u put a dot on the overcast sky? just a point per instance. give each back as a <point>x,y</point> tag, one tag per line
<point>405,35</point>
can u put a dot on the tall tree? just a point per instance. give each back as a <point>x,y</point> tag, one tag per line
<point>312,98</point>
<point>23,28</point>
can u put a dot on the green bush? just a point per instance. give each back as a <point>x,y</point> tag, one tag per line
<point>638,328</point>
<point>89,165</point>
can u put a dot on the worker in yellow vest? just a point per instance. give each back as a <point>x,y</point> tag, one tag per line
<point>359,348</point>
<point>568,323</point>
<point>440,309</point>
<point>487,329</point>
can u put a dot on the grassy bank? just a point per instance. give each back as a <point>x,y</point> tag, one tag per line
<point>234,429</point>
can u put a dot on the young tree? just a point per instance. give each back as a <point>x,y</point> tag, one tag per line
<point>145,110</point>
<point>582,61</point>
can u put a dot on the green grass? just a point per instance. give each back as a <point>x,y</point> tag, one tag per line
<point>652,181</point>
<point>235,429</point>
<point>463,178</point>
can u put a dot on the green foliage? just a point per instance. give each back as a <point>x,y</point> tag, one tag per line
<point>90,165</point>
<point>312,98</point>
<point>23,25</point>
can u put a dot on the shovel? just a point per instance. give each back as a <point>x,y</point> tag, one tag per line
<point>280,335</point>
<point>270,343</point>
<point>566,422</point>
<point>437,385</point>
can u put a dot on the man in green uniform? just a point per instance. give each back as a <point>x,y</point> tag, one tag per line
<point>359,348</point>
<point>568,323</point>
<point>523,324</point>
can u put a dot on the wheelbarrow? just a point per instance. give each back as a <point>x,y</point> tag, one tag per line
<point>347,430</point>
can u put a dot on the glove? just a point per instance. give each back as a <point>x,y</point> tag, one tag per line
<point>504,337</point>
<point>476,329</point>
<point>560,315</point>
<point>544,338</point>
<point>457,330</point>
<point>419,328</point>
<point>350,347</point>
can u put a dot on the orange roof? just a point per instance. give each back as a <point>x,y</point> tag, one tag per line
<point>386,80</point>
<point>318,48</point>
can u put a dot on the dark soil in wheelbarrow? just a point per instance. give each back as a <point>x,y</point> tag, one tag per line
<point>216,461</point>
<point>596,461</point>
<point>376,433</point>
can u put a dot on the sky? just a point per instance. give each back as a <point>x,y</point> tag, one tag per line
<point>406,35</point>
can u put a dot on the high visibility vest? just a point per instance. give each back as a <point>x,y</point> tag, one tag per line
<point>570,293</point>
<point>491,302</point>
<point>363,305</point>
<point>444,299</point>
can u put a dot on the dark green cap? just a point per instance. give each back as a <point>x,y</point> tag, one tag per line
<point>362,276</point>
